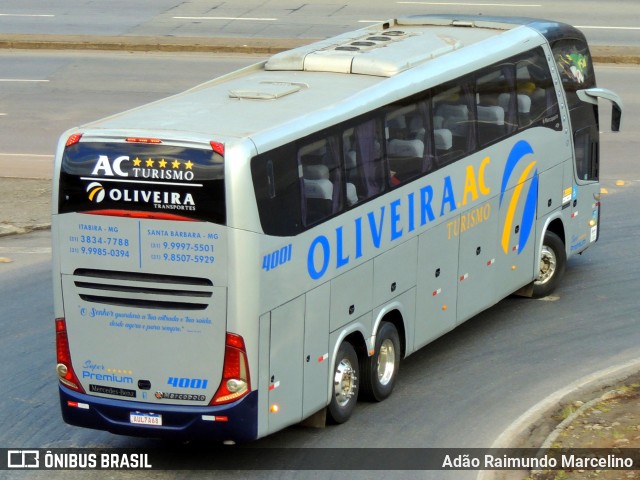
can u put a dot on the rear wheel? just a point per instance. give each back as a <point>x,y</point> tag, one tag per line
<point>379,372</point>
<point>345,384</point>
<point>553,259</point>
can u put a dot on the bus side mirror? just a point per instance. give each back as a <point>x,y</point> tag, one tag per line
<point>591,95</point>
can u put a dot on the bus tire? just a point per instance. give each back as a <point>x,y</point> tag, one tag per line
<point>380,370</point>
<point>345,384</point>
<point>553,259</point>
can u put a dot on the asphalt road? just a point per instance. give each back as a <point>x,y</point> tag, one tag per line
<point>46,92</point>
<point>461,391</point>
<point>617,24</point>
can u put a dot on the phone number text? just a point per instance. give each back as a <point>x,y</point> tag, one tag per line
<point>184,258</point>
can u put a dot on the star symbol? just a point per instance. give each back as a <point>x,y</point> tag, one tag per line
<point>162,163</point>
<point>136,162</point>
<point>188,164</point>
<point>175,164</point>
<point>149,163</point>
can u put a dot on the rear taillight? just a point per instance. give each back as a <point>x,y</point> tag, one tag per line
<point>65,371</point>
<point>73,139</point>
<point>217,147</point>
<point>235,382</point>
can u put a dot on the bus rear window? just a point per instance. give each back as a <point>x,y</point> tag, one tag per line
<point>163,179</point>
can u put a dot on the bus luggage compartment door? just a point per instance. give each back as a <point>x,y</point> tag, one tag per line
<point>478,254</point>
<point>285,364</point>
<point>298,358</point>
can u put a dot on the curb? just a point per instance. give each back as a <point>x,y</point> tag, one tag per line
<point>8,229</point>
<point>623,54</point>
<point>151,43</point>
<point>626,54</point>
<point>553,436</point>
<point>516,434</point>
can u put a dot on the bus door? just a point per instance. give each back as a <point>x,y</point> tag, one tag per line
<point>581,189</point>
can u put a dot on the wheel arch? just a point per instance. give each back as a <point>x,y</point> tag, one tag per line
<point>555,225</point>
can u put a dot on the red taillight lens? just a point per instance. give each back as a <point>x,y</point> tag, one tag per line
<point>217,147</point>
<point>65,371</point>
<point>73,139</point>
<point>235,382</point>
<point>235,341</point>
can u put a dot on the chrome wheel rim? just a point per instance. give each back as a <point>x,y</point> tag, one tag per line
<point>548,264</point>
<point>344,382</point>
<point>386,362</point>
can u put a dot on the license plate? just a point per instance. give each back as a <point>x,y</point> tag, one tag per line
<point>145,418</point>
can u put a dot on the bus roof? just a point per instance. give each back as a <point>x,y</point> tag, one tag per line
<point>328,81</point>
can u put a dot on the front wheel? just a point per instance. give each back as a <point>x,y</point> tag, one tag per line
<point>345,384</point>
<point>379,372</point>
<point>553,259</point>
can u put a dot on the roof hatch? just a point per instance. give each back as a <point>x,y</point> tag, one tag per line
<point>266,90</point>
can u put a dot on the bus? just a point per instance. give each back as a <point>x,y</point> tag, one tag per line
<point>267,247</point>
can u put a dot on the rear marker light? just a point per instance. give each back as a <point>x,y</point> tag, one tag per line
<point>73,139</point>
<point>217,147</point>
<point>142,140</point>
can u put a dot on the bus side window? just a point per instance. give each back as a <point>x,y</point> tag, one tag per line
<point>453,112</point>
<point>352,177</point>
<point>586,151</point>
<point>364,162</point>
<point>321,179</point>
<point>403,151</point>
<point>409,142</point>
<point>537,100</point>
<point>277,191</point>
<point>497,110</point>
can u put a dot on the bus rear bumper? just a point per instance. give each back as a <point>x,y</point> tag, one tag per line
<point>236,421</point>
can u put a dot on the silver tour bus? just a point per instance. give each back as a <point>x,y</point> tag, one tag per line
<point>268,246</point>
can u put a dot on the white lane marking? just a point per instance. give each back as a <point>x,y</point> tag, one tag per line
<point>24,154</point>
<point>33,250</point>
<point>22,80</point>
<point>25,15</point>
<point>249,19</point>
<point>467,4</point>
<point>596,27</point>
